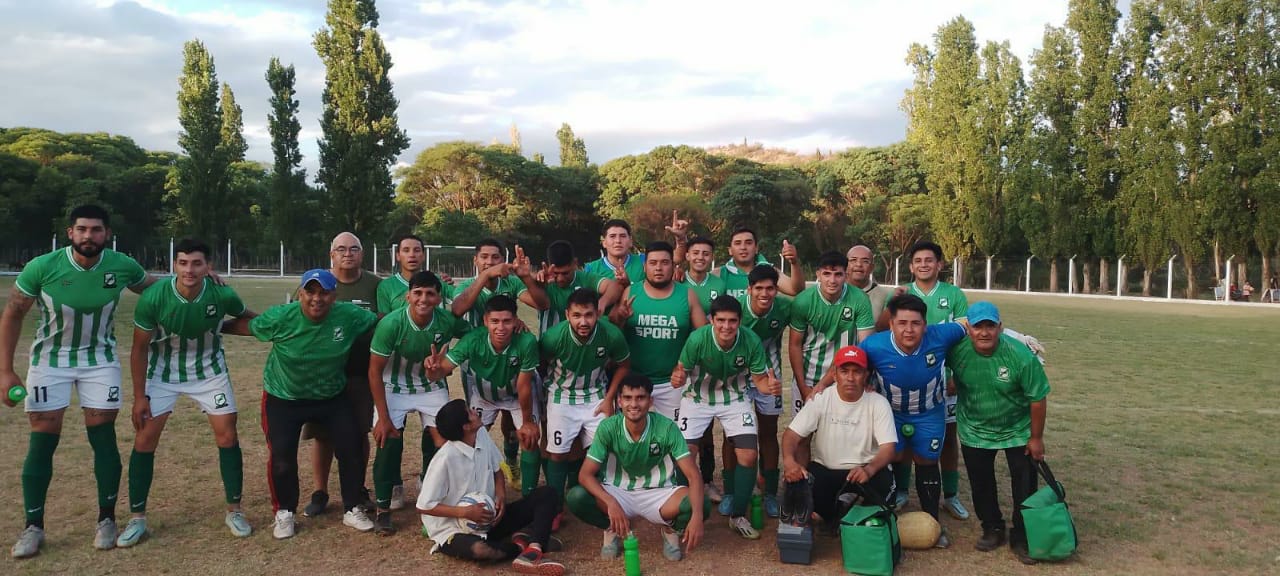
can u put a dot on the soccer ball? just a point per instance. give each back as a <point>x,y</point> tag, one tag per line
<point>918,530</point>
<point>482,499</point>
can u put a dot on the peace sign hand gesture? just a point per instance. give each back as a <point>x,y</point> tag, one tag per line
<point>521,267</point>
<point>434,363</point>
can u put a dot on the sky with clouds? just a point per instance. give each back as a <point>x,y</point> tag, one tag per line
<point>627,76</point>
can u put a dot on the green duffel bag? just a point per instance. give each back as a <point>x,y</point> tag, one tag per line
<point>869,541</point>
<point>1051,534</point>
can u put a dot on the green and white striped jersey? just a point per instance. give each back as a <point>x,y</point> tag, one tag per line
<point>405,345</point>
<point>186,335</point>
<point>649,462</point>
<point>559,297</point>
<point>507,286</point>
<point>490,373</point>
<point>77,307</point>
<point>709,289</point>
<point>769,327</point>
<point>827,327</point>
<point>719,376</point>
<point>946,302</point>
<point>576,372</point>
<point>393,289</point>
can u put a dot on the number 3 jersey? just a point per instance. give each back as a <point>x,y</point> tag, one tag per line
<point>913,382</point>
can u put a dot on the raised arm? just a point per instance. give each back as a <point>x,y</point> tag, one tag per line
<point>463,302</point>
<point>793,283</point>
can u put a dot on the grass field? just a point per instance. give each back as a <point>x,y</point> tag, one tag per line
<point>1160,426</point>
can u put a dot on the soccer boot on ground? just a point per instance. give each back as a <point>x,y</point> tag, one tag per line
<point>955,508</point>
<point>239,526</point>
<point>397,497</point>
<point>742,526</point>
<point>104,538</point>
<point>29,542</point>
<point>134,531</point>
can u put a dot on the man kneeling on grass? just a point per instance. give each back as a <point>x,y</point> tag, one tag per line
<point>638,452</point>
<point>853,435</point>
<point>469,462</point>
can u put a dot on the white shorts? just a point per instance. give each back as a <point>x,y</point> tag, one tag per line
<point>566,421</point>
<point>426,405</point>
<point>797,401</point>
<point>489,410</point>
<point>645,503</point>
<point>951,409</point>
<point>49,389</point>
<point>214,395</point>
<point>737,418</point>
<point>666,399</point>
<point>766,404</point>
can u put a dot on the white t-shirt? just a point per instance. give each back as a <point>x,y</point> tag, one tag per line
<point>845,434</point>
<point>455,471</point>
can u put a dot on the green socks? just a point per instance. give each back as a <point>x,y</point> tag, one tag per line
<point>902,476</point>
<point>510,448</point>
<point>686,513</point>
<point>231,465</point>
<point>37,472</point>
<point>557,475</point>
<point>744,479</point>
<point>575,467</point>
<point>386,468</point>
<point>106,466</point>
<point>950,483</point>
<point>583,505</point>
<point>530,462</point>
<point>730,479</point>
<point>141,469</point>
<point>770,481</point>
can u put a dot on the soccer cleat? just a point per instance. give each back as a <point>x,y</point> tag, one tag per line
<point>319,501</point>
<point>612,548</point>
<point>771,505</point>
<point>284,526</point>
<point>944,540</point>
<point>955,508</point>
<point>713,492</point>
<point>104,538</point>
<point>742,526</point>
<point>358,519</point>
<point>239,526</point>
<point>531,562</point>
<point>397,497</point>
<point>991,539</point>
<point>726,505</point>
<point>133,532</point>
<point>382,525</point>
<point>29,542</point>
<point>900,500</point>
<point>671,546</point>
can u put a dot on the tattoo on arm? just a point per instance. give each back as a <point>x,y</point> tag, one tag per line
<point>19,303</point>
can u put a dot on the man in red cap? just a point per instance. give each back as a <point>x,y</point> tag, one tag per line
<point>853,438</point>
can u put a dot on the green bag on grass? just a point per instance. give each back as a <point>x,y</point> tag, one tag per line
<point>869,541</point>
<point>1051,534</point>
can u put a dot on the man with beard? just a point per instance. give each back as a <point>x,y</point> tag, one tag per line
<point>618,261</point>
<point>74,349</point>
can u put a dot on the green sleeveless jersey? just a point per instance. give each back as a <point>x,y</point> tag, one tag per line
<point>711,287</point>
<point>719,376</point>
<point>186,340</point>
<point>405,345</point>
<point>946,302</point>
<point>769,327</point>
<point>656,332</point>
<point>576,372</point>
<point>559,297</point>
<point>77,306</point>
<point>634,266</point>
<point>735,279</point>
<point>828,327</point>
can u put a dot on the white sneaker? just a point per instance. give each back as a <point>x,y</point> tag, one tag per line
<point>105,536</point>
<point>712,492</point>
<point>134,531</point>
<point>397,497</point>
<point>28,543</point>
<point>239,526</point>
<point>742,526</point>
<point>284,526</point>
<point>953,507</point>
<point>358,519</point>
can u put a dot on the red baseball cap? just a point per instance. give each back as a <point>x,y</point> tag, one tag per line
<point>851,355</point>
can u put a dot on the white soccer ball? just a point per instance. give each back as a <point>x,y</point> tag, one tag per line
<point>918,530</point>
<point>482,499</point>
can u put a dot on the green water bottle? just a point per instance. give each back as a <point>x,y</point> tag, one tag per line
<point>631,555</point>
<point>17,394</point>
<point>875,521</point>
<point>757,512</point>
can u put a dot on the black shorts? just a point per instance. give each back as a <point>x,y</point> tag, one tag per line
<point>359,398</point>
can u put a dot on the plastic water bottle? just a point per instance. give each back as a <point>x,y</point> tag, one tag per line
<point>631,555</point>
<point>875,521</point>
<point>756,512</point>
<point>17,394</point>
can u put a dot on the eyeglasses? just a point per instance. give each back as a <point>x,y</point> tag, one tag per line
<point>346,249</point>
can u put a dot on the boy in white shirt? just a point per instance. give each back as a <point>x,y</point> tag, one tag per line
<point>469,462</point>
<point>853,439</point>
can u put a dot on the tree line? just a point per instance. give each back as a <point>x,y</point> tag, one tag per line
<point>1145,138</point>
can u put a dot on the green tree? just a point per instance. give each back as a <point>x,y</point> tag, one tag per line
<point>361,133</point>
<point>288,181</point>
<point>573,151</point>
<point>232,132</point>
<point>200,175</point>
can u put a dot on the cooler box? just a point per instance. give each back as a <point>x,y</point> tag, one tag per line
<point>795,544</point>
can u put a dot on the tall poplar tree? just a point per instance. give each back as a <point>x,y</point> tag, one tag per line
<point>232,133</point>
<point>288,180</point>
<point>201,173</point>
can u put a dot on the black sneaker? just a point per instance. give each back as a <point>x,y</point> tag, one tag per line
<point>531,562</point>
<point>991,539</point>
<point>524,539</point>
<point>319,500</point>
<point>382,524</point>
<point>1024,556</point>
